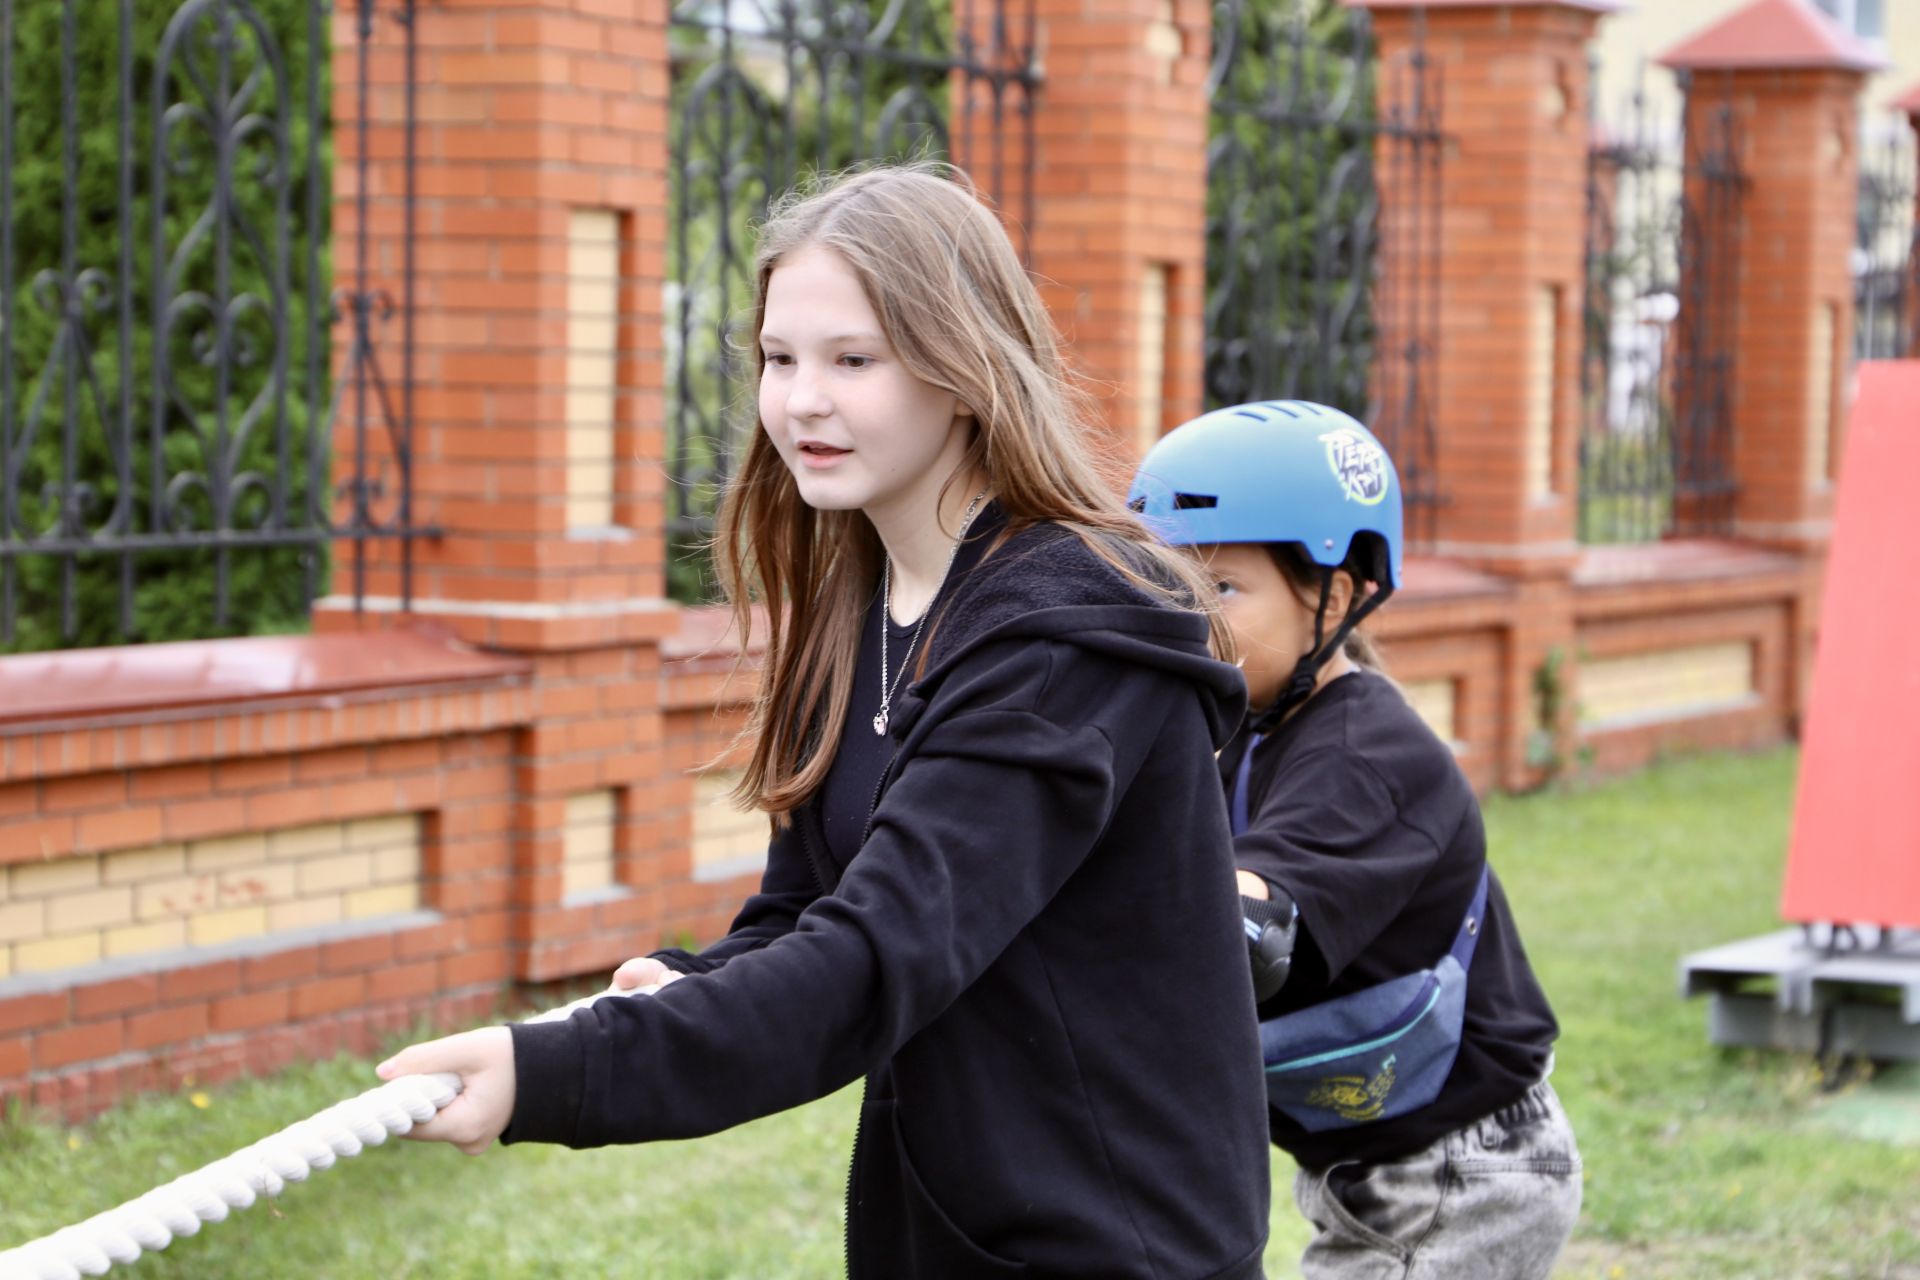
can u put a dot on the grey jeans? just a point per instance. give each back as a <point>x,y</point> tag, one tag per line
<point>1494,1200</point>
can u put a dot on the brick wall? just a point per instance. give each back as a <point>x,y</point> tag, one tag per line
<point>221,857</point>
<point>228,856</point>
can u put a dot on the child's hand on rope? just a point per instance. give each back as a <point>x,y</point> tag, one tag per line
<point>483,1060</point>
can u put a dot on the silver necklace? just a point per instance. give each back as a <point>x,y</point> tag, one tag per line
<point>888,686</point>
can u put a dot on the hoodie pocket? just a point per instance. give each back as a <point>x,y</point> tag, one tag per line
<point>938,1249</point>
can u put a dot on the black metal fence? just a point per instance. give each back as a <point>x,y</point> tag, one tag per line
<point>1662,264</point>
<point>1311,292</point>
<point>1886,267</point>
<point>766,92</point>
<point>168,396</point>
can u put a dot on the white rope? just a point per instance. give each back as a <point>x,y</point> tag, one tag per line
<point>151,1222</point>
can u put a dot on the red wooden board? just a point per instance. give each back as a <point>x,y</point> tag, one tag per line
<point>1855,855</point>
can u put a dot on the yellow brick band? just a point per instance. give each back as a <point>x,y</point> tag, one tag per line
<point>81,910</point>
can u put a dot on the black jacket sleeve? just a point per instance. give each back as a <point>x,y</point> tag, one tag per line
<point>1330,833</point>
<point>788,887</point>
<point>1004,786</point>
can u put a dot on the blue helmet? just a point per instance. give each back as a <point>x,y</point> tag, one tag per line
<point>1277,471</point>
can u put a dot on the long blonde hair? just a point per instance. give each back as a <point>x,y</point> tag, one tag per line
<point>961,314</point>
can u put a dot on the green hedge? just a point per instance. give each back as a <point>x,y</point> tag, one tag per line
<point>173,592</point>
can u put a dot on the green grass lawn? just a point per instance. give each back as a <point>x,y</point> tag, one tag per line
<point>1702,1164</point>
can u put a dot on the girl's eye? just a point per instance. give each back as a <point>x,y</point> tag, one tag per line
<point>857,362</point>
<point>779,359</point>
<point>1225,589</point>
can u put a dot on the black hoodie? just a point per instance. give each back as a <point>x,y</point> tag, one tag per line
<point>1035,958</point>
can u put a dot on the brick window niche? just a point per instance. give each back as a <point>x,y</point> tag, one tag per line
<point>593,329</point>
<point>1437,703</point>
<point>1543,378</point>
<point>160,906</point>
<point>1822,364</point>
<point>727,841</point>
<point>1150,335</point>
<point>590,845</point>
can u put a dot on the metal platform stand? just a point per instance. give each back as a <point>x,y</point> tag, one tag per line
<point>1851,990</point>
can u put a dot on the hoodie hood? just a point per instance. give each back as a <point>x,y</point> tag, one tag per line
<point>1016,593</point>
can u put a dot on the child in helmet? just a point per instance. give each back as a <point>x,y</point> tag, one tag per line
<point>1406,1040</point>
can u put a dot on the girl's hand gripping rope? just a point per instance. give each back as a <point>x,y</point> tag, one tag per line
<point>483,1060</point>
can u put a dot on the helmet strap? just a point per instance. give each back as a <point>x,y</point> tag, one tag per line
<point>1306,672</point>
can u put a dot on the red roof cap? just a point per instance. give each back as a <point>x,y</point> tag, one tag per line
<point>1595,6</point>
<point>1774,35</point>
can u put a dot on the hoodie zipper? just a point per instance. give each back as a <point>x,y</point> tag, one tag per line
<point>853,1162</point>
<point>813,857</point>
<point>878,788</point>
<point>860,1118</point>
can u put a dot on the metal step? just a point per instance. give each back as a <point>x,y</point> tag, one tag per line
<point>1841,990</point>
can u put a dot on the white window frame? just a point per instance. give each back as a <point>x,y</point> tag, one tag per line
<point>1847,14</point>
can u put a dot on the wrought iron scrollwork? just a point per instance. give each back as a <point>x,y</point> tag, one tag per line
<point>765,91</point>
<point>1886,269</point>
<point>168,395</point>
<point>1314,291</point>
<point>1663,217</point>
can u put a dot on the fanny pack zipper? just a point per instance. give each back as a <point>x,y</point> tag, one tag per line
<point>1327,1050</point>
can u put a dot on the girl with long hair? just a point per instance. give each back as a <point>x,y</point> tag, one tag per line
<point>999,880</point>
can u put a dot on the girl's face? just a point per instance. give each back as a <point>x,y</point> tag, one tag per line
<point>854,426</point>
<point>1271,625</point>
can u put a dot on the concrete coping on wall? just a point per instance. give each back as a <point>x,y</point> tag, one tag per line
<point>1438,578</point>
<point>1679,560</point>
<point>81,684</point>
<point>706,636</point>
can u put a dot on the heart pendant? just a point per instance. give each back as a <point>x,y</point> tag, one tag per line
<point>880,724</point>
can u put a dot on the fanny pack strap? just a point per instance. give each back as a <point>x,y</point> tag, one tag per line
<point>1463,942</point>
<point>1237,811</point>
<point>1469,935</point>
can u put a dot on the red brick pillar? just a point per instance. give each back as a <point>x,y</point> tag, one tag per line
<point>537,414</point>
<point>1791,80</point>
<point>1119,183</point>
<point>1513,207</point>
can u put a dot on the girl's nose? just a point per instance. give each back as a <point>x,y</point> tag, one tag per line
<point>806,397</point>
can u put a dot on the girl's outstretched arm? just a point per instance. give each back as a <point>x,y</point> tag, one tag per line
<point>1008,787</point>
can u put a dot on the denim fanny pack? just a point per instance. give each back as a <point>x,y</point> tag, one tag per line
<point>1374,1054</point>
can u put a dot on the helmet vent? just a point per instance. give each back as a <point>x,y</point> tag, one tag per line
<point>1193,501</point>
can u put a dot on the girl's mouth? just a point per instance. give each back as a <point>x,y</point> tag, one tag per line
<point>820,456</point>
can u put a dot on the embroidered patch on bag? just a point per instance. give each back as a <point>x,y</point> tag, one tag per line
<point>1355,1098</point>
<point>1358,464</point>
